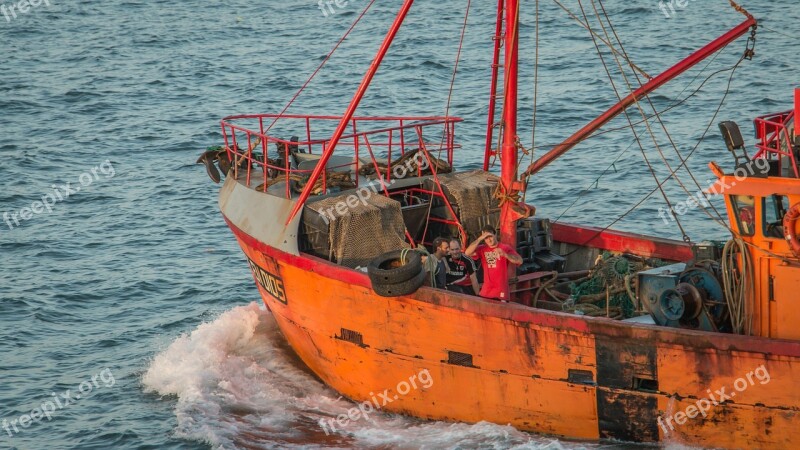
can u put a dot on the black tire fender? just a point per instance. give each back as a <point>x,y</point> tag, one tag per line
<point>402,288</point>
<point>386,268</point>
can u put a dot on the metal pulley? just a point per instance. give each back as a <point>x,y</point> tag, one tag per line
<point>685,298</point>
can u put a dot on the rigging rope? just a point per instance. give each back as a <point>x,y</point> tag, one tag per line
<point>455,72</point>
<point>532,151</point>
<point>444,131</point>
<point>683,162</point>
<point>627,116</point>
<point>741,10</point>
<point>700,141</point>
<point>327,57</point>
<point>658,118</point>
<point>675,104</point>
<point>748,53</point>
<point>611,47</point>
<point>777,32</point>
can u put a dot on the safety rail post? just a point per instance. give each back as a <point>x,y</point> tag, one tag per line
<point>451,142</point>
<point>249,157</point>
<point>225,139</point>
<point>286,166</point>
<point>389,147</point>
<point>324,180</point>
<point>796,113</point>
<point>402,137</point>
<point>789,147</point>
<point>265,159</point>
<point>420,145</point>
<point>308,134</point>
<point>235,154</point>
<point>389,153</point>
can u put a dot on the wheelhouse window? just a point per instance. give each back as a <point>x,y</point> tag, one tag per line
<point>744,208</point>
<point>774,208</point>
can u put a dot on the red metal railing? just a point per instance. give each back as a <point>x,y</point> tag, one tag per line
<point>248,145</point>
<point>775,140</point>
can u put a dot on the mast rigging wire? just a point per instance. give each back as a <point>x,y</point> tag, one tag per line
<point>683,162</point>
<point>447,111</point>
<point>327,57</point>
<point>676,103</point>
<point>455,71</point>
<point>657,115</point>
<point>535,100</point>
<point>586,25</point>
<point>633,130</point>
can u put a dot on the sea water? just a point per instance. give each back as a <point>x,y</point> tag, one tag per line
<point>128,315</point>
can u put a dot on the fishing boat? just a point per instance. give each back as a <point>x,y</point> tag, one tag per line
<point>605,335</point>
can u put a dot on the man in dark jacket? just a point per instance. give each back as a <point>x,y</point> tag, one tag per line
<point>461,271</point>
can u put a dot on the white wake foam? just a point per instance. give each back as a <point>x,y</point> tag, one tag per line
<point>238,385</point>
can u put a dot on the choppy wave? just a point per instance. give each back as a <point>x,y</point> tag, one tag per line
<point>237,385</point>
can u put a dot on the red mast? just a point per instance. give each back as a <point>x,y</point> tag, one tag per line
<point>508,167</point>
<point>797,112</point>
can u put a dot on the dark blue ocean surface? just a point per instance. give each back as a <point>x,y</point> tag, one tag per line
<point>128,316</point>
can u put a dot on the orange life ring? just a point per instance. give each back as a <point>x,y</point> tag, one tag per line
<point>788,228</point>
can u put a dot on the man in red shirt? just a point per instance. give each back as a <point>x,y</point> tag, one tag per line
<point>495,257</point>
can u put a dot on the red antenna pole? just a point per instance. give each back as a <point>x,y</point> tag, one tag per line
<point>796,112</point>
<point>351,109</point>
<point>508,167</point>
<point>489,150</point>
<point>647,88</point>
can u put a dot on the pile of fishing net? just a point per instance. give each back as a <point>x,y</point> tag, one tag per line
<point>609,289</point>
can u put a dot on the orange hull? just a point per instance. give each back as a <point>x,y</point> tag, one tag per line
<point>548,372</point>
<point>540,371</point>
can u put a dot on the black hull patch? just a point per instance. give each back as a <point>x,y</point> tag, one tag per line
<point>627,381</point>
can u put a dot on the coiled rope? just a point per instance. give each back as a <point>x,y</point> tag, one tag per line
<point>737,281</point>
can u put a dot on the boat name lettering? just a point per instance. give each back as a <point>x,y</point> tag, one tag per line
<point>271,283</point>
